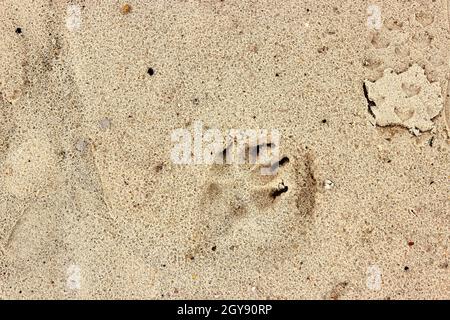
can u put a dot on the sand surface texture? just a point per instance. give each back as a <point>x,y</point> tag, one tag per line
<point>92,204</point>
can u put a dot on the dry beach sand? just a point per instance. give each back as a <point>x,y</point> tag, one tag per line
<point>93,206</point>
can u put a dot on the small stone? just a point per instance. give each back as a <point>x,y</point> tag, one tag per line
<point>126,8</point>
<point>81,145</point>
<point>328,184</point>
<point>105,124</point>
<point>415,131</point>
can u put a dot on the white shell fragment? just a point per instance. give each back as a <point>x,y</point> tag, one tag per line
<point>328,184</point>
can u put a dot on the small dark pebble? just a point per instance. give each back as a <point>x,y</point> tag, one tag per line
<point>18,30</point>
<point>150,71</point>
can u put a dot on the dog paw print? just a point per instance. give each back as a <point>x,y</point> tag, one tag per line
<point>389,41</point>
<point>241,205</point>
<point>393,24</point>
<point>402,40</point>
<point>424,17</point>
